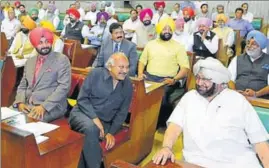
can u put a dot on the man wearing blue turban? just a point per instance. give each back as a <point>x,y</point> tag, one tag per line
<point>250,70</point>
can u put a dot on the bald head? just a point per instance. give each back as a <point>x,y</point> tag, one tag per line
<point>118,66</point>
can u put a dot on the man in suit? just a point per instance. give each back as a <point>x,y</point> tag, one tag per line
<point>46,80</point>
<point>117,43</point>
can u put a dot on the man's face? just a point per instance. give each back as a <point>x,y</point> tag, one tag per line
<point>238,14</point>
<point>77,5</point>
<point>252,45</point>
<point>204,86</point>
<point>22,9</point>
<point>176,7</point>
<point>160,9</point>
<point>11,15</point>
<point>117,34</point>
<point>120,69</point>
<point>204,9</point>
<point>133,15</point>
<point>39,5</point>
<point>72,18</point>
<point>180,28</point>
<point>221,23</point>
<point>202,28</point>
<point>138,9</point>
<point>34,16</point>
<point>93,8</point>
<point>73,6</point>
<point>102,20</point>
<point>245,7</point>
<point>186,14</point>
<point>44,47</point>
<point>220,10</point>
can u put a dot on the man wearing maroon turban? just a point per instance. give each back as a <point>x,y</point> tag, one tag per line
<point>46,81</point>
<point>75,29</point>
<point>145,31</point>
<point>160,5</point>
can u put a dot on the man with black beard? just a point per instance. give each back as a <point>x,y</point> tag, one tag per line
<point>188,16</point>
<point>75,29</point>
<point>250,70</point>
<point>117,43</point>
<point>46,80</point>
<point>220,127</point>
<point>145,30</point>
<point>165,61</point>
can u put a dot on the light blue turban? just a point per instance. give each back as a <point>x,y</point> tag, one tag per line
<point>259,37</point>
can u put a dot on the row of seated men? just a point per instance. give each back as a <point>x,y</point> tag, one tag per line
<point>211,137</point>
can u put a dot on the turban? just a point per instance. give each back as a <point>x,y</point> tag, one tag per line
<point>159,4</point>
<point>222,17</point>
<point>212,69</point>
<point>220,6</point>
<point>179,22</point>
<point>48,25</point>
<point>51,7</point>
<point>10,10</point>
<point>28,23</point>
<point>33,11</point>
<point>74,12</point>
<point>17,3</point>
<point>38,33</point>
<point>102,5</point>
<point>259,37</point>
<point>164,22</point>
<point>144,12</point>
<point>104,14</point>
<point>188,10</point>
<point>204,21</point>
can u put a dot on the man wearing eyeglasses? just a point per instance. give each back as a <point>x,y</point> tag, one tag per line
<point>250,70</point>
<point>219,126</point>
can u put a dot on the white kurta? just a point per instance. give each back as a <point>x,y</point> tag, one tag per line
<point>130,25</point>
<point>184,39</point>
<point>156,17</point>
<point>92,16</point>
<point>248,16</point>
<point>216,133</point>
<point>10,27</point>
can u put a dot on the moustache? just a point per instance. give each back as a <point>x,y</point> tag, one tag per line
<point>119,37</point>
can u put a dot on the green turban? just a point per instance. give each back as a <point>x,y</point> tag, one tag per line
<point>33,11</point>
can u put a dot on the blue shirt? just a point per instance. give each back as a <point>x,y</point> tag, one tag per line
<point>97,98</point>
<point>2,16</point>
<point>240,24</point>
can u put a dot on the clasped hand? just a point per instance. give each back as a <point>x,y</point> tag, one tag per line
<point>36,112</point>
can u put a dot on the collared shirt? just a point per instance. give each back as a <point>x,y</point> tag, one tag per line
<point>157,18</point>
<point>92,16</point>
<point>243,25</point>
<point>98,35</point>
<point>190,26</point>
<point>184,39</point>
<point>163,58</point>
<point>216,133</point>
<point>10,27</point>
<point>2,16</point>
<point>248,16</point>
<point>82,13</point>
<point>130,25</point>
<point>41,14</point>
<point>176,15</point>
<point>114,46</point>
<point>97,98</point>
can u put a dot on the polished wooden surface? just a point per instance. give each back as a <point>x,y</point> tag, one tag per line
<point>4,45</point>
<point>19,148</point>
<point>222,54</point>
<point>259,102</point>
<point>190,84</point>
<point>238,41</point>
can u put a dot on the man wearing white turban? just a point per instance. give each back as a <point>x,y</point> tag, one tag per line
<point>219,124</point>
<point>250,71</point>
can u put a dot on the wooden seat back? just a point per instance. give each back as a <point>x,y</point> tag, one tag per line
<point>190,84</point>
<point>238,41</point>
<point>222,54</point>
<point>4,45</point>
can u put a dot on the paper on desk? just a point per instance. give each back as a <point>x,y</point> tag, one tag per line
<point>7,112</point>
<point>86,46</point>
<point>147,85</point>
<point>37,128</point>
<point>41,138</point>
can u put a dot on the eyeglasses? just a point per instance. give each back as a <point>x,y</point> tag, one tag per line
<point>203,79</point>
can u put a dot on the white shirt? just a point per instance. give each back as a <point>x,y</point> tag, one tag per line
<point>17,13</point>
<point>212,45</point>
<point>156,17</point>
<point>130,25</point>
<point>56,21</point>
<point>110,21</point>
<point>190,26</point>
<point>92,16</point>
<point>110,10</point>
<point>10,27</point>
<point>216,133</point>
<point>248,16</point>
<point>84,31</point>
<point>176,15</point>
<point>82,13</point>
<point>41,14</point>
<point>183,39</point>
<point>233,69</point>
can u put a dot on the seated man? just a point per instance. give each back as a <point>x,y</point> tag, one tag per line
<point>92,14</point>
<point>250,70</point>
<point>145,31</point>
<point>247,15</point>
<point>219,126</point>
<point>33,13</point>
<point>99,32</point>
<point>111,18</point>
<point>21,47</point>
<point>157,17</point>
<point>203,12</point>
<point>117,43</point>
<point>130,25</point>
<point>51,16</point>
<point>23,12</point>
<point>177,12</point>
<point>205,42</point>
<point>46,80</point>
<point>165,61</point>
<point>190,24</point>
<point>75,29</point>
<point>102,107</point>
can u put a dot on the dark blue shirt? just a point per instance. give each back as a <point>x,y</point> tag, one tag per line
<point>97,98</point>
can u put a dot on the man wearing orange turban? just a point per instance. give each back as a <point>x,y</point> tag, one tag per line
<point>145,30</point>
<point>46,81</point>
<point>188,16</point>
<point>166,61</point>
<point>75,29</point>
<point>160,14</point>
<point>21,49</point>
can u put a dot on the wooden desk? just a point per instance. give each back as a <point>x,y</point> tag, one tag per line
<point>19,148</point>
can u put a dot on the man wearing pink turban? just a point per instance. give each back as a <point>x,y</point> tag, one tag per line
<point>160,5</point>
<point>205,42</point>
<point>92,14</point>
<point>145,31</point>
<point>46,81</point>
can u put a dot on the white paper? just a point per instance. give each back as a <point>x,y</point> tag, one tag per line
<point>40,139</point>
<point>86,46</point>
<point>7,112</point>
<point>37,128</point>
<point>147,85</point>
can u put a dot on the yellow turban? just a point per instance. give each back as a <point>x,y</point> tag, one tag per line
<point>10,10</point>
<point>28,23</point>
<point>164,22</point>
<point>222,17</point>
<point>47,24</point>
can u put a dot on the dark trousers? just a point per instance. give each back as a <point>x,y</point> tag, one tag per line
<point>91,155</point>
